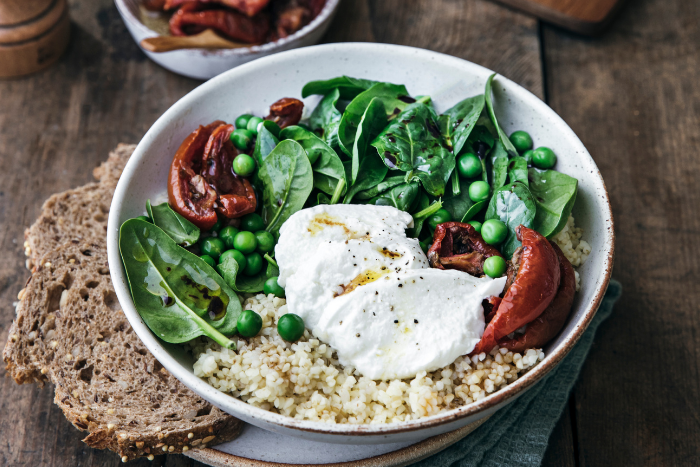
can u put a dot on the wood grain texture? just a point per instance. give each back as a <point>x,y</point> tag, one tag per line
<point>583,16</point>
<point>632,97</point>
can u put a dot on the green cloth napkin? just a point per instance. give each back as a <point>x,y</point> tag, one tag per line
<point>518,434</point>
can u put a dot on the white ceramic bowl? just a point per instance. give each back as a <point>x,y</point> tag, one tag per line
<point>253,87</point>
<point>205,64</point>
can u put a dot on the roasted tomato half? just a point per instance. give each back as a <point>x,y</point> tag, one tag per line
<point>286,112</point>
<point>195,17</point>
<point>201,181</point>
<point>459,246</point>
<point>534,286</point>
<point>547,325</point>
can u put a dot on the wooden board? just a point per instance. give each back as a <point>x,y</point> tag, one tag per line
<point>588,17</point>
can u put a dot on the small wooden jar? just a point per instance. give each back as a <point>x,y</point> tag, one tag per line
<point>33,35</point>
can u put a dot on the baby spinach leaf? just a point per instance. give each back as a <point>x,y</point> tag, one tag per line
<point>287,180</point>
<point>328,168</point>
<point>458,205</point>
<point>178,228</point>
<point>322,198</point>
<point>266,141</point>
<point>423,204</point>
<point>326,118</point>
<point>514,205</point>
<point>517,170</point>
<point>555,194</point>
<point>240,282</point>
<point>473,211</point>
<point>401,196</point>
<point>502,136</point>
<point>385,185</point>
<point>412,143</point>
<point>498,159</point>
<point>372,122</point>
<point>177,294</point>
<point>459,121</point>
<point>372,172</point>
<point>388,94</point>
<point>346,86</point>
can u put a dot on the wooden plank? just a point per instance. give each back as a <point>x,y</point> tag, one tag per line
<point>583,16</point>
<point>632,97</point>
<point>57,125</point>
<point>560,451</point>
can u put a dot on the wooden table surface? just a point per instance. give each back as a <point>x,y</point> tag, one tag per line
<point>632,96</point>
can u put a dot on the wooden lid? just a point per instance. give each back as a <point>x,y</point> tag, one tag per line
<point>36,26</point>
<point>14,12</point>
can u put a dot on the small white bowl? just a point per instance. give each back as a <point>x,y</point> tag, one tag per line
<point>204,63</point>
<point>252,88</point>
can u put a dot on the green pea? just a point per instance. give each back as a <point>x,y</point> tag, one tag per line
<point>441,216</point>
<point>272,287</point>
<point>145,218</point>
<point>242,121</point>
<point>227,234</point>
<point>544,158</point>
<point>253,124</point>
<point>494,231</point>
<point>209,260</point>
<point>479,191</point>
<point>245,242</point>
<point>237,255</point>
<point>476,225</point>
<point>424,245</point>
<point>266,242</point>
<point>244,165</point>
<point>242,139</point>
<point>290,327</point>
<point>249,323</point>
<point>527,155</point>
<point>468,165</point>
<point>218,226</point>
<point>252,222</point>
<point>494,266</point>
<point>521,140</point>
<point>255,264</point>
<point>212,246</point>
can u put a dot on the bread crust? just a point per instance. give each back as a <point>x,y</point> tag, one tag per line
<point>70,331</point>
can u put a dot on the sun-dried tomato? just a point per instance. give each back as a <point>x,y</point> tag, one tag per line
<point>249,7</point>
<point>457,245</point>
<point>533,289</point>
<point>201,181</point>
<point>193,18</point>
<point>286,112</point>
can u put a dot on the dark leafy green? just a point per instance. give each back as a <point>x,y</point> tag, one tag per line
<point>423,204</point>
<point>372,172</point>
<point>513,204</point>
<point>347,87</point>
<point>517,170</point>
<point>555,194</point>
<point>502,136</point>
<point>287,179</point>
<point>412,143</point>
<point>401,197</point>
<point>177,294</point>
<point>387,93</point>
<point>371,124</point>
<point>474,210</point>
<point>328,168</point>
<point>326,118</point>
<point>457,123</point>
<point>498,160</point>
<point>385,185</point>
<point>240,282</point>
<point>458,205</point>
<point>265,142</point>
<point>182,231</point>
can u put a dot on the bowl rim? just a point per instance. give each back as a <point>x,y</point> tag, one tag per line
<point>222,399</point>
<point>268,47</point>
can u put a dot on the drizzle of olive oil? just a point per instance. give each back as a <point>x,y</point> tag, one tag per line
<point>361,279</point>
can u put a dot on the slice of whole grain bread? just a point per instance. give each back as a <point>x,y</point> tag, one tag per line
<point>71,332</point>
